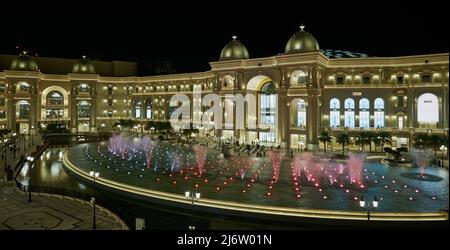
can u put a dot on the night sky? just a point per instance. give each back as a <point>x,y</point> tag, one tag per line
<point>190,37</point>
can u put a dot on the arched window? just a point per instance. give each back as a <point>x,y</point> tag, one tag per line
<point>301,113</point>
<point>349,115</point>
<point>84,108</point>
<point>228,81</point>
<point>137,108</point>
<point>84,88</point>
<point>148,111</point>
<point>428,108</point>
<point>268,102</point>
<point>379,113</point>
<point>55,98</point>
<point>23,87</point>
<point>23,109</point>
<point>298,77</point>
<point>335,120</point>
<point>364,117</point>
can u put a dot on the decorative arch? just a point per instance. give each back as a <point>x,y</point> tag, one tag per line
<point>298,78</point>
<point>335,117</point>
<point>298,112</point>
<point>256,83</point>
<point>428,108</point>
<point>349,113</point>
<point>148,108</point>
<point>228,81</point>
<point>47,90</point>
<point>84,109</point>
<point>23,109</point>
<point>137,108</point>
<point>364,116</point>
<point>54,98</point>
<point>22,87</point>
<point>378,105</point>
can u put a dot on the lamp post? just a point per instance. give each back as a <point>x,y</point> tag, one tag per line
<point>192,195</point>
<point>30,164</point>
<point>94,176</point>
<point>14,143</point>
<point>442,148</point>
<point>373,205</point>
<point>301,144</point>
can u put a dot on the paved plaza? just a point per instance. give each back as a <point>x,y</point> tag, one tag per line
<point>47,212</point>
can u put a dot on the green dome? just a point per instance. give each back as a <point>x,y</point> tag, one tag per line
<point>84,66</point>
<point>234,51</point>
<point>302,42</point>
<point>24,62</point>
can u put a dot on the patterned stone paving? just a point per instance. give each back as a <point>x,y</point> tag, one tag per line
<point>47,212</point>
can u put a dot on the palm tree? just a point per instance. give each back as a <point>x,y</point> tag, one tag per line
<point>435,141</point>
<point>370,137</point>
<point>343,139</point>
<point>324,137</point>
<point>421,140</point>
<point>361,140</point>
<point>382,138</point>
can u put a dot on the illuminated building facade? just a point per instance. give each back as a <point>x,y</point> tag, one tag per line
<point>299,92</point>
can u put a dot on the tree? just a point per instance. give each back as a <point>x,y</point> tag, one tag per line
<point>421,140</point>
<point>343,139</point>
<point>361,140</point>
<point>435,141</point>
<point>383,138</point>
<point>124,123</point>
<point>371,137</point>
<point>324,137</point>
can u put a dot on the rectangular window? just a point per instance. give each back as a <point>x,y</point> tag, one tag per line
<point>379,119</point>
<point>54,113</point>
<point>138,112</point>
<point>340,80</point>
<point>110,114</point>
<point>335,119</point>
<point>426,79</point>
<point>110,90</point>
<point>366,80</point>
<point>364,119</point>
<point>110,102</point>
<point>267,137</point>
<point>349,119</point>
<point>400,122</point>
<point>2,101</point>
<point>267,112</point>
<point>399,79</point>
<point>2,88</point>
<point>400,102</point>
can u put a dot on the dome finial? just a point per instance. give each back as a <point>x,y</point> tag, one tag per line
<point>234,37</point>
<point>302,27</point>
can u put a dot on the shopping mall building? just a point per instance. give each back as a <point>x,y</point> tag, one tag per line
<point>299,93</point>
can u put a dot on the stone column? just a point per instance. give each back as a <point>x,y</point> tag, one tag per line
<point>73,110</point>
<point>11,115</point>
<point>33,109</point>
<point>411,104</point>
<point>444,119</point>
<point>282,115</point>
<point>92,115</point>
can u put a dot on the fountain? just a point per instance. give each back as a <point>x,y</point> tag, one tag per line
<point>200,155</point>
<point>276,157</point>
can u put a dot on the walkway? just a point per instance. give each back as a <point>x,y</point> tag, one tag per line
<point>25,145</point>
<point>47,212</point>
